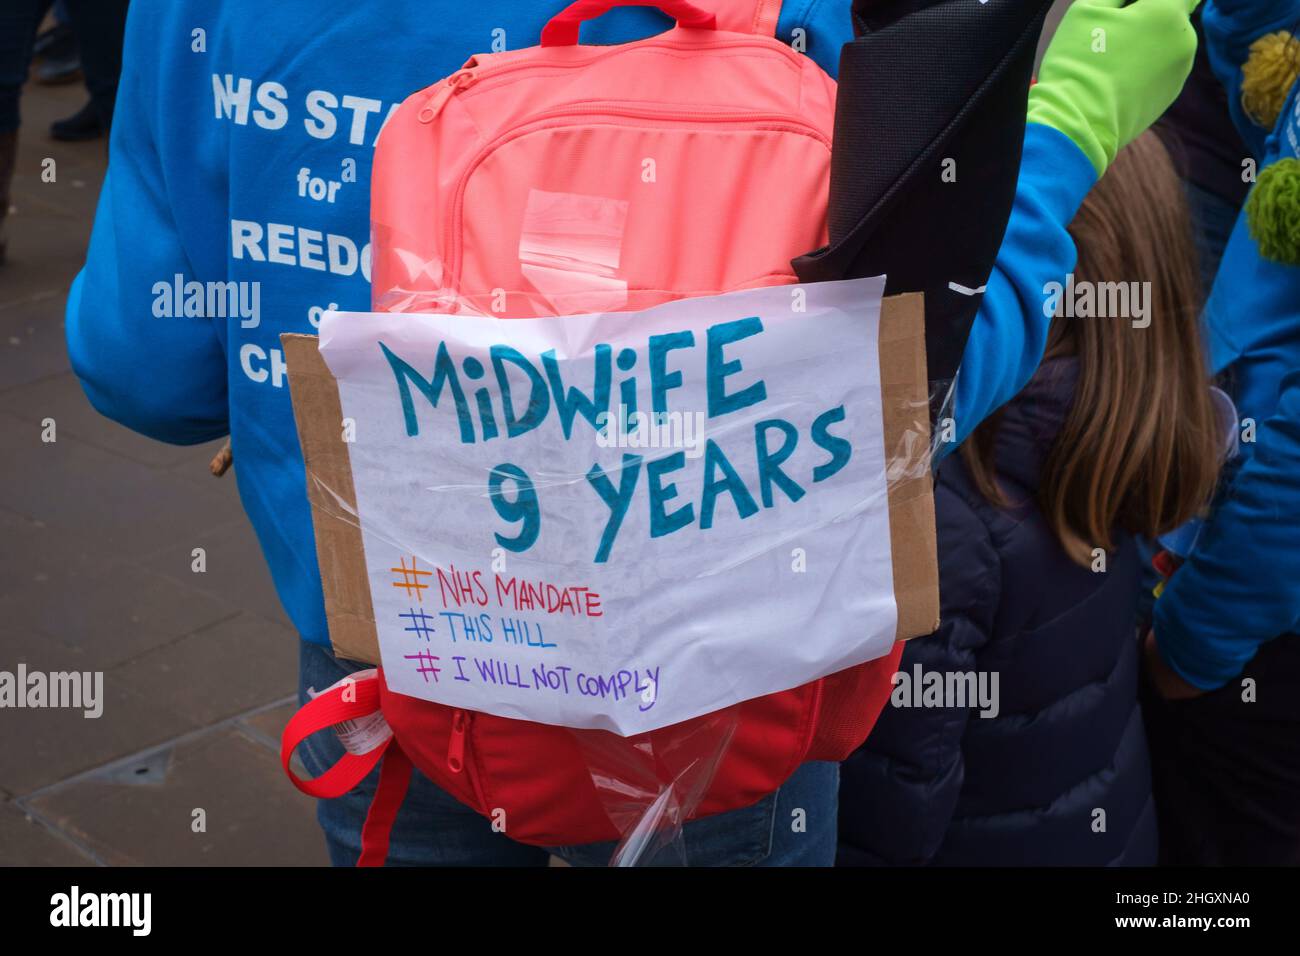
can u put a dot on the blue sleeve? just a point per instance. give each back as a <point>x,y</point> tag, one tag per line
<point>1009,333</point>
<point>1241,585</point>
<point>1231,26</point>
<point>826,24</point>
<point>162,377</point>
<point>898,792</point>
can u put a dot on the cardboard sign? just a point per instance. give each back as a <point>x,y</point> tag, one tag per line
<point>624,520</point>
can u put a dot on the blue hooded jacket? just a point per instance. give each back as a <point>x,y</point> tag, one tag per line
<point>1241,585</point>
<point>226,112</point>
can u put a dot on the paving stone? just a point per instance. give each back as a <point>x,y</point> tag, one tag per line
<point>47,745</point>
<point>49,227</point>
<point>270,724</point>
<point>32,345</point>
<point>115,616</point>
<point>254,816</point>
<point>72,196</point>
<point>235,571</point>
<point>135,511</point>
<point>25,841</point>
<point>36,559</point>
<point>224,670</point>
<point>267,727</point>
<point>51,221</point>
<point>177,689</point>
<point>60,398</point>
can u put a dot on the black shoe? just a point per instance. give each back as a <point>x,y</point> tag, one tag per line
<point>84,125</point>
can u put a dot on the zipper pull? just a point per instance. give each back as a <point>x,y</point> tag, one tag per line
<point>446,90</point>
<point>456,747</point>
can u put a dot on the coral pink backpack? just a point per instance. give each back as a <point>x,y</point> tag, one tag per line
<point>565,178</point>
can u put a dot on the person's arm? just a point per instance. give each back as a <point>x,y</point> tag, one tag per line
<point>1009,333</point>
<point>1108,74</point>
<point>1231,27</point>
<point>162,376</point>
<point>899,790</point>
<point>1240,587</point>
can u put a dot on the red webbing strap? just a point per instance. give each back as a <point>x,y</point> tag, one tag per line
<point>758,17</point>
<point>326,710</point>
<point>394,778</point>
<point>562,30</point>
<point>767,17</point>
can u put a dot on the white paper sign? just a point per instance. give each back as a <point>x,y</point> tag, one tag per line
<point>540,547</point>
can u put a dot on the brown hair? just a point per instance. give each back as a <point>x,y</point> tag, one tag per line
<point>1139,449</point>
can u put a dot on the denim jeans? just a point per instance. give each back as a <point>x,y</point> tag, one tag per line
<point>435,829</point>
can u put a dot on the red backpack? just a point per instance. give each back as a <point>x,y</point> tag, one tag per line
<point>554,785</point>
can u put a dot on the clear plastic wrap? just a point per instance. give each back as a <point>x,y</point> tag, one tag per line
<point>647,784</point>
<point>497,247</point>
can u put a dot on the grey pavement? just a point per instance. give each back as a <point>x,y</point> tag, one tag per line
<point>97,531</point>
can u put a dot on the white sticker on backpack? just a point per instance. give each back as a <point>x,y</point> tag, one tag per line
<point>360,735</point>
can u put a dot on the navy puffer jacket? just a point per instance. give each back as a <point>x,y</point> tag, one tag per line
<point>1060,775</point>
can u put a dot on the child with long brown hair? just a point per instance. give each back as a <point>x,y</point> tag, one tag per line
<point>1138,451</point>
<point>1015,735</point>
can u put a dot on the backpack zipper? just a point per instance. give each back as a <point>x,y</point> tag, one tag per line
<point>446,90</point>
<point>474,70</point>
<point>457,745</point>
<point>780,122</point>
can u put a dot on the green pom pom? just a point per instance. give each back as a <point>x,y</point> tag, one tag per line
<point>1273,212</point>
<point>1267,76</point>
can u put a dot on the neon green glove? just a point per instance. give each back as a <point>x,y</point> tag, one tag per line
<point>1111,71</point>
